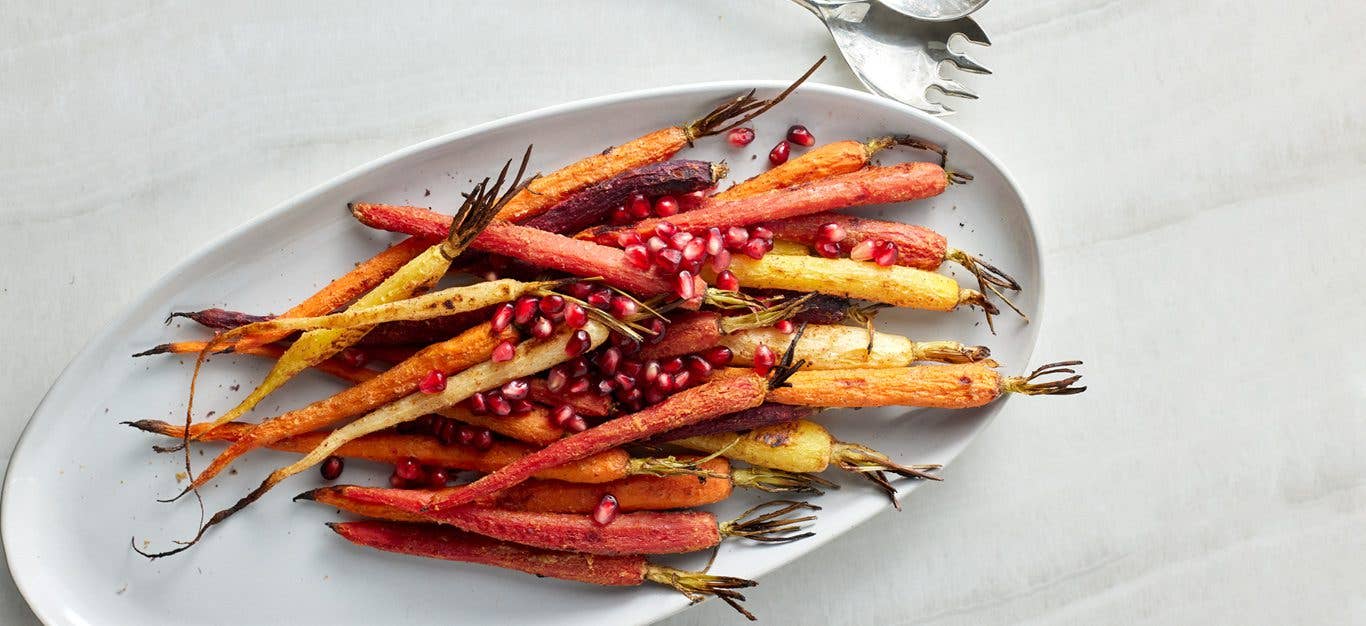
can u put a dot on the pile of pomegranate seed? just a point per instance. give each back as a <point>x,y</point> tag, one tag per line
<point>639,207</point>
<point>448,431</point>
<point>510,399</point>
<point>829,244</point>
<point>409,474</point>
<point>683,254</point>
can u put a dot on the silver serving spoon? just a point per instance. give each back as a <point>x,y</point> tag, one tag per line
<point>935,10</point>
<point>898,56</point>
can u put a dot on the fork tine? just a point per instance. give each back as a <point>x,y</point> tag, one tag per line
<point>959,60</point>
<point>970,30</point>
<point>954,88</point>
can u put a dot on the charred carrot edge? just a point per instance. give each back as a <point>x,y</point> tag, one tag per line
<point>595,203</point>
<point>875,185</point>
<point>941,386</point>
<point>438,542</point>
<point>687,407</point>
<point>537,247</point>
<point>832,159</point>
<point>392,448</point>
<point>450,356</point>
<point>549,190</point>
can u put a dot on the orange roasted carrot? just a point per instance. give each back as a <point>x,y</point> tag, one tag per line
<point>334,365</point>
<point>453,355</point>
<point>547,191</point>
<point>832,159</point>
<point>941,386</point>
<point>392,448</point>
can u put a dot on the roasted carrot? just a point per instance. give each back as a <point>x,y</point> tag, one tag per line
<point>875,185</point>
<point>334,366</point>
<point>530,357</point>
<point>766,414</point>
<point>804,446</point>
<point>827,347</point>
<point>689,406</point>
<point>392,448</point>
<point>941,386</point>
<point>832,159</point>
<point>402,333</point>
<point>416,276</point>
<point>549,190</point>
<point>639,492</point>
<point>443,542</point>
<point>595,203</point>
<point>585,404</point>
<point>697,331</point>
<point>643,532</point>
<point>537,247</point>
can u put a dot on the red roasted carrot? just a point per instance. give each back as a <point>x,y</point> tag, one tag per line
<point>765,414</point>
<point>697,331</point>
<point>442,542</point>
<point>875,185</point>
<point>687,407</point>
<point>585,404</point>
<point>537,247</point>
<point>840,157</point>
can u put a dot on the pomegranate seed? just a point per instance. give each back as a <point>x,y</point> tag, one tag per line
<point>433,382</point>
<point>638,206</point>
<point>623,307</point>
<point>831,232</point>
<point>629,395</point>
<point>778,155</point>
<point>638,256</point>
<point>699,366</point>
<point>436,478</point>
<point>695,267</point>
<point>740,137</point>
<point>760,232</point>
<point>720,261</point>
<point>657,329</point>
<point>651,371</point>
<point>332,468</point>
<point>396,482</point>
<point>578,368</point>
<point>681,380</point>
<point>828,249</point>
<point>785,327</point>
<point>755,248</point>
<point>579,290</point>
<point>668,259</point>
<point>542,328</point>
<point>605,387</point>
<point>628,238</point>
<point>465,435</point>
<point>620,217</point>
<point>525,309</point>
<point>600,299</point>
<point>502,318</point>
<point>665,230</point>
<point>354,357</point>
<point>672,366</point>
<point>449,433</point>
<point>515,389</point>
<point>574,315</point>
<point>504,351</point>
<point>654,244</point>
<point>764,359</point>
<point>799,135</point>
<point>622,381</point>
<point>713,241</point>
<point>562,414</point>
<point>631,368</point>
<point>694,251</point>
<point>886,256</point>
<point>684,285</point>
<point>426,424</point>
<point>666,206</point>
<point>483,439</point>
<point>626,344</point>
<point>521,407</point>
<point>608,360</point>
<point>552,304</point>
<point>680,240</point>
<point>692,200</point>
<point>579,385</point>
<point>726,279</point>
<point>665,383</point>
<point>864,250</point>
<point>578,343</point>
<point>478,403</point>
<point>575,424</point>
<point>408,469</point>
<point>606,510</point>
<point>498,405</point>
<point>653,395</point>
<point>556,379</point>
<point>735,237</point>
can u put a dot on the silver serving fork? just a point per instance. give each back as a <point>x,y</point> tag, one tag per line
<point>897,56</point>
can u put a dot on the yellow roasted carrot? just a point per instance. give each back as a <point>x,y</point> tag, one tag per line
<point>828,347</point>
<point>895,285</point>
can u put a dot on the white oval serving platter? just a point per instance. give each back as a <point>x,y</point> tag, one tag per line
<point>80,485</point>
